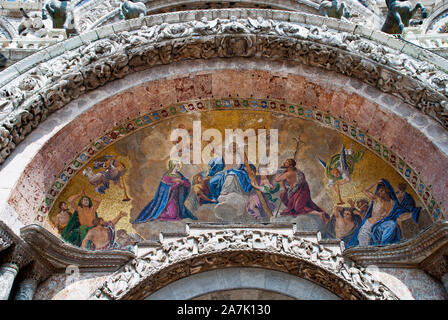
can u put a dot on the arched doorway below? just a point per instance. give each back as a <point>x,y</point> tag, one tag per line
<point>242,283</point>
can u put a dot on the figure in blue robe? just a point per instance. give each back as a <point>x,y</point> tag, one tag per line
<point>169,200</point>
<point>385,231</point>
<point>219,176</point>
<point>409,203</point>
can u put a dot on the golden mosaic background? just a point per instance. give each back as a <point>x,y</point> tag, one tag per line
<point>146,152</point>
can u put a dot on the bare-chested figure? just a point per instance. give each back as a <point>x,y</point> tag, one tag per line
<point>344,221</point>
<point>382,206</point>
<point>102,235</point>
<point>381,221</point>
<point>296,196</point>
<point>86,208</point>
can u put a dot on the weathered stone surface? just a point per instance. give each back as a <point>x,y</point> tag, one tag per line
<point>193,254</point>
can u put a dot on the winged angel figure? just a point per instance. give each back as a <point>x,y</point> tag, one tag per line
<point>111,170</point>
<point>339,168</point>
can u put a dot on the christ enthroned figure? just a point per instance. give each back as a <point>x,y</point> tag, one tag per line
<point>227,178</point>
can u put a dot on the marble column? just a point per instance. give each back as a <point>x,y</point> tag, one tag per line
<point>29,279</point>
<point>8,272</point>
<point>16,258</point>
<point>445,281</point>
<point>26,289</point>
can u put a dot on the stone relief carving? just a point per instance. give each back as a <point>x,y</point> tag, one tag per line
<point>31,25</point>
<point>334,9</point>
<point>61,13</point>
<point>89,15</point>
<point>399,15</point>
<point>51,85</point>
<point>131,10</point>
<point>313,261</point>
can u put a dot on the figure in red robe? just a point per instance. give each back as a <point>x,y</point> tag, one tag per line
<point>296,196</point>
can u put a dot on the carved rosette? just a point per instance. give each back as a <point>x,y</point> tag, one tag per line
<point>51,85</point>
<point>243,248</point>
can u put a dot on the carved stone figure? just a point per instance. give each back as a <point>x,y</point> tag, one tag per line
<point>31,25</point>
<point>260,24</point>
<point>61,13</point>
<point>171,31</point>
<point>155,258</point>
<point>141,266</point>
<point>204,27</point>
<point>334,9</point>
<point>233,26</point>
<point>399,15</point>
<point>286,29</point>
<point>211,242</point>
<point>131,10</point>
<point>122,281</point>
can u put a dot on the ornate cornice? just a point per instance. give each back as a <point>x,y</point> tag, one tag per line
<point>40,85</point>
<point>24,252</point>
<point>60,254</point>
<point>178,258</point>
<point>410,253</point>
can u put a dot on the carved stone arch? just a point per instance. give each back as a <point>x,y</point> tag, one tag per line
<point>437,19</point>
<point>112,57</point>
<point>7,29</point>
<point>193,254</point>
<point>109,54</point>
<point>97,13</point>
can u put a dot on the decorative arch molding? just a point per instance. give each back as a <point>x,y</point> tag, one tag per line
<point>133,96</point>
<point>40,84</point>
<point>193,254</point>
<point>7,29</point>
<point>97,13</point>
<point>54,83</point>
<point>437,19</point>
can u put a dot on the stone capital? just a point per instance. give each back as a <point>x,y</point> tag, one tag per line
<point>437,264</point>
<point>35,272</point>
<point>17,257</point>
<point>5,240</point>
